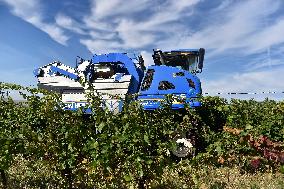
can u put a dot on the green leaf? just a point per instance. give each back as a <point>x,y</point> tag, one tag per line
<point>149,162</point>
<point>21,136</point>
<point>249,127</point>
<point>219,149</point>
<point>138,159</point>
<point>141,173</point>
<point>101,126</point>
<point>146,138</point>
<point>244,133</point>
<point>128,178</point>
<point>282,169</point>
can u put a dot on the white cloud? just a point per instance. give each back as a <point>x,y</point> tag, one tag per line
<point>134,37</point>
<point>107,35</point>
<point>68,23</point>
<point>256,81</point>
<point>268,63</point>
<point>265,61</point>
<point>242,26</point>
<point>236,25</point>
<point>103,9</point>
<point>54,32</point>
<point>31,12</point>
<point>223,5</point>
<point>100,46</point>
<point>133,33</point>
<point>23,8</point>
<point>104,13</point>
<point>239,27</point>
<point>168,12</point>
<point>272,35</point>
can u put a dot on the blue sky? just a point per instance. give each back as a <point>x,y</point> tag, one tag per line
<point>243,38</point>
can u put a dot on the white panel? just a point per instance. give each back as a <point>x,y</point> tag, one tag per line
<point>74,97</point>
<point>123,79</point>
<point>116,85</point>
<point>113,91</point>
<point>83,66</point>
<point>67,68</point>
<point>59,81</point>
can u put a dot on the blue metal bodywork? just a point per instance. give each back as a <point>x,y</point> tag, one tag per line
<point>178,78</point>
<point>151,98</point>
<point>174,75</point>
<point>167,73</point>
<point>54,69</point>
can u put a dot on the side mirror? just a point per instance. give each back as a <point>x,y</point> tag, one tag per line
<point>201,58</point>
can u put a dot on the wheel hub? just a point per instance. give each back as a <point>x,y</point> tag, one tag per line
<point>183,148</point>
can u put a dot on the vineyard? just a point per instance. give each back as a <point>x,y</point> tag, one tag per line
<point>43,146</point>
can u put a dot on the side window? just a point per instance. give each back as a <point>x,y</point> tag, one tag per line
<point>148,80</point>
<point>190,83</point>
<point>165,85</point>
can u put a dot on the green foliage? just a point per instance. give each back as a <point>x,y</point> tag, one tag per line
<point>124,149</point>
<point>252,120</point>
<point>127,149</point>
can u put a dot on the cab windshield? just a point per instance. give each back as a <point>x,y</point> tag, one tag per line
<point>185,62</point>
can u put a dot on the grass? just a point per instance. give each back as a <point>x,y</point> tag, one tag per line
<point>219,178</point>
<point>23,174</point>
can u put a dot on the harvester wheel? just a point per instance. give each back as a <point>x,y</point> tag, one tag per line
<point>185,145</point>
